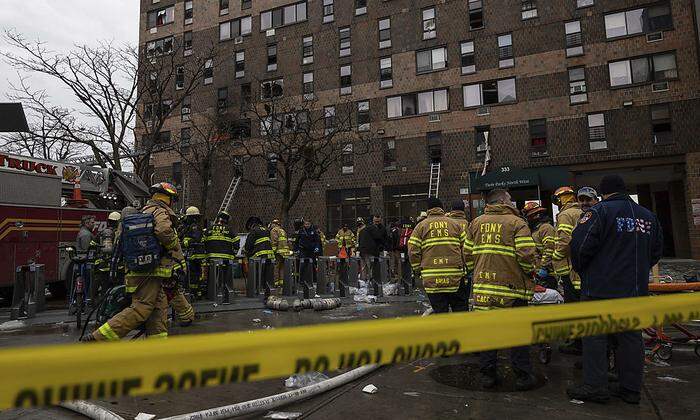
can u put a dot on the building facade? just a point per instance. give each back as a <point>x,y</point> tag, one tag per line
<point>529,95</point>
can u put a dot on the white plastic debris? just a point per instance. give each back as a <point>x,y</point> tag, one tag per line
<point>304,379</point>
<point>428,311</point>
<point>283,415</point>
<point>370,389</point>
<point>365,298</point>
<point>12,325</point>
<point>549,296</point>
<point>144,416</point>
<point>671,379</point>
<point>412,394</point>
<point>256,320</point>
<point>576,402</point>
<point>390,289</point>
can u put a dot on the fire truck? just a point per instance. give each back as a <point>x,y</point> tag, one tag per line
<point>41,205</point>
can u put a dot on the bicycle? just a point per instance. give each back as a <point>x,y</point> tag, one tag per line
<point>79,283</point>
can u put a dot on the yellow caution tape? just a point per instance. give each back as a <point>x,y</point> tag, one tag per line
<point>47,375</point>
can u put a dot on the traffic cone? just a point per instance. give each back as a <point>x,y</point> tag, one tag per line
<point>77,193</point>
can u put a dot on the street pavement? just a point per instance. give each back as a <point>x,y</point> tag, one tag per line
<point>423,389</point>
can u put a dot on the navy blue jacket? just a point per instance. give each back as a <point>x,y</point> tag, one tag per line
<point>614,246</point>
<point>308,243</point>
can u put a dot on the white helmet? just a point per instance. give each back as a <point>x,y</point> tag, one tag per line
<point>114,216</point>
<point>192,211</point>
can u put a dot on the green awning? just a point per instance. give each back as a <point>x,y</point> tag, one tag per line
<point>547,178</point>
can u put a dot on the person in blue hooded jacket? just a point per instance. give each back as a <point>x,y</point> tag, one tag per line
<point>613,247</point>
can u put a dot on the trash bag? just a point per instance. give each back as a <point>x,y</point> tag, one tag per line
<point>304,379</point>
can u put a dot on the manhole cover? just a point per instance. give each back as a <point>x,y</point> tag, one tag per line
<point>467,376</point>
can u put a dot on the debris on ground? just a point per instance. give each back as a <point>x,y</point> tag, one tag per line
<point>576,402</point>
<point>283,415</point>
<point>365,298</point>
<point>144,416</point>
<point>428,311</point>
<point>390,289</point>
<point>671,379</point>
<point>256,320</point>
<point>370,389</point>
<point>412,394</point>
<point>267,312</point>
<point>12,325</point>
<point>304,379</point>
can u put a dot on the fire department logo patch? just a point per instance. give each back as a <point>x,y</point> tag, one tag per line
<point>586,217</point>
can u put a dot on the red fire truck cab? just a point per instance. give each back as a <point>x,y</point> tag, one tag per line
<point>38,212</point>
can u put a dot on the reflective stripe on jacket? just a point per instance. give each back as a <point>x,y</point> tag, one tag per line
<point>219,243</point>
<point>544,235</point>
<point>501,251</point>
<point>567,219</point>
<point>278,239</point>
<point>258,244</point>
<point>345,238</point>
<point>436,250</point>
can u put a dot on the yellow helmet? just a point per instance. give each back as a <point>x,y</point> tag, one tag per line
<point>192,211</point>
<point>562,192</point>
<point>114,216</point>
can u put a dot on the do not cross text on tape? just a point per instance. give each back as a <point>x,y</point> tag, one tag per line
<point>47,375</point>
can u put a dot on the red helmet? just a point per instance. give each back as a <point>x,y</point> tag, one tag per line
<point>532,209</point>
<point>164,188</point>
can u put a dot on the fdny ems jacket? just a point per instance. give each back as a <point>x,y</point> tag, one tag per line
<point>614,246</point>
<point>501,251</point>
<point>561,258</point>
<point>436,250</point>
<point>278,239</point>
<point>258,244</point>
<point>164,230</point>
<point>544,235</point>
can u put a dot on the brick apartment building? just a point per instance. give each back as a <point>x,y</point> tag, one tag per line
<point>546,93</point>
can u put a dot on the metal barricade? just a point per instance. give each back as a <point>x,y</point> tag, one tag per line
<point>353,271</point>
<point>290,280</point>
<point>220,281</point>
<point>342,288</point>
<point>406,276</point>
<point>306,276</point>
<point>28,296</point>
<point>326,275</point>
<point>379,274</point>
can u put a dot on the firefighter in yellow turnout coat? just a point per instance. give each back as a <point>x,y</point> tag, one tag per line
<point>280,247</point>
<point>149,304</point>
<point>500,249</point>
<point>567,218</point>
<point>436,250</point>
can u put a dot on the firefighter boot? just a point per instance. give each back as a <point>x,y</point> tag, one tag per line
<point>588,393</point>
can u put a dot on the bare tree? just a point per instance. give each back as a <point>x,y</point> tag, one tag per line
<point>168,75</point>
<point>300,142</point>
<point>126,96</point>
<point>101,80</point>
<point>47,137</point>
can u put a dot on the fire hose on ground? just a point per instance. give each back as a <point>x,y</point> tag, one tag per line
<point>97,412</point>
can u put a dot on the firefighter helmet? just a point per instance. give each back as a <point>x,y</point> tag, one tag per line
<point>114,216</point>
<point>360,220</point>
<point>532,209</point>
<point>192,211</point>
<point>163,188</point>
<point>252,220</point>
<point>561,192</point>
<point>224,216</point>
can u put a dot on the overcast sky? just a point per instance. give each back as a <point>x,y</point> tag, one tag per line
<point>63,23</point>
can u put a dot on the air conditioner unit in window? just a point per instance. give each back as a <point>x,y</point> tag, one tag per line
<point>484,110</point>
<point>188,21</point>
<point>238,40</point>
<point>655,36</point>
<point>270,32</point>
<point>576,89</point>
<point>434,118</point>
<point>659,87</point>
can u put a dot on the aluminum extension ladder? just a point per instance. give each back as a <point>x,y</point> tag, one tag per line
<point>230,193</point>
<point>434,187</point>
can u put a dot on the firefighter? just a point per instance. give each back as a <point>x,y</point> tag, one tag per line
<point>221,247</point>
<point>436,252</point>
<point>421,216</point>
<point>280,247</point>
<point>360,225</point>
<point>258,243</point>
<point>567,218</point>
<point>195,252</point>
<point>106,248</point>
<point>149,304</point>
<point>501,251</point>
<point>346,241</point>
<point>543,234</point>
